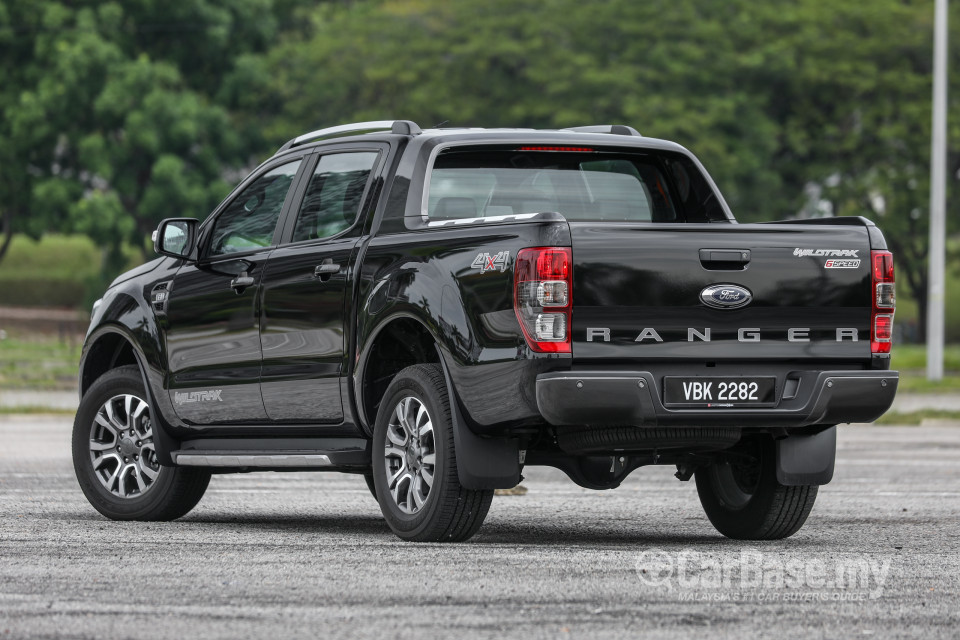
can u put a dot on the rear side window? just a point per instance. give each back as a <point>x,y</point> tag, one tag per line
<point>582,185</point>
<point>333,197</point>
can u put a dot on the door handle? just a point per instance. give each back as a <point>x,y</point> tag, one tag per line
<point>325,270</point>
<point>241,282</point>
<point>326,267</point>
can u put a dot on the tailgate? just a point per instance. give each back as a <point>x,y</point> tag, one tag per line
<point>720,292</point>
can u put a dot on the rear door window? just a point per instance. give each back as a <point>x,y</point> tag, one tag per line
<point>334,195</point>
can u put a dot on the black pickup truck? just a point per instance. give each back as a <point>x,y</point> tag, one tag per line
<point>437,309</point>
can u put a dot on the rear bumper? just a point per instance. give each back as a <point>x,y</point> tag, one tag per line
<point>634,398</point>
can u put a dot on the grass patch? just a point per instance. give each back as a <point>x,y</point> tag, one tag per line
<point>917,417</point>
<point>32,411</point>
<point>911,361</point>
<point>41,364</point>
<point>54,256</point>
<point>916,382</point>
<point>56,271</point>
<point>914,356</point>
<point>908,314</point>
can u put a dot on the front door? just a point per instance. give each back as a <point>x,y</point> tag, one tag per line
<point>213,339</point>
<point>304,289</point>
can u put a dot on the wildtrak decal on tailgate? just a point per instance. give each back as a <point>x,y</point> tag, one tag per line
<point>826,253</point>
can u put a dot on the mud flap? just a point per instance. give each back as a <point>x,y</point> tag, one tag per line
<point>482,463</point>
<point>807,460</point>
<point>163,442</point>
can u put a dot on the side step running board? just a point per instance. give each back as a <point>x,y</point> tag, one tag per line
<point>270,461</point>
<point>321,454</point>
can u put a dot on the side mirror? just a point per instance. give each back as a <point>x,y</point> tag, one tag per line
<point>177,238</point>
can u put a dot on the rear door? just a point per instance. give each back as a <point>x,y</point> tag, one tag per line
<point>305,286</point>
<point>213,341</point>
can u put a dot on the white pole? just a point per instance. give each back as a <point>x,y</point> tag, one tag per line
<point>938,196</point>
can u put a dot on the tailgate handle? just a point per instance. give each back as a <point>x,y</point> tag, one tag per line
<point>724,258</point>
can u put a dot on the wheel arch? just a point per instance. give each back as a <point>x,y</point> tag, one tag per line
<point>112,346</point>
<point>396,343</point>
<point>482,463</point>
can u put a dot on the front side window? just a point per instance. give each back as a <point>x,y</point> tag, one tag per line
<point>250,220</point>
<point>581,184</point>
<point>334,195</point>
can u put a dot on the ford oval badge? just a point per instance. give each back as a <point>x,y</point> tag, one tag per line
<point>726,296</point>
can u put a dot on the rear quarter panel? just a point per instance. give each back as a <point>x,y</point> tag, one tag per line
<point>429,275</point>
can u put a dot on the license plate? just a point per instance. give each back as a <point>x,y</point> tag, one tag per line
<point>719,392</point>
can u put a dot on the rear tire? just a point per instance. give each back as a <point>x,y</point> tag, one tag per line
<point>415,466</point>
<point>745,501</point>
<point>114,455</point>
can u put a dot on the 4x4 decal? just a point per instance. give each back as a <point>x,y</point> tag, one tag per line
<point>486,262</point>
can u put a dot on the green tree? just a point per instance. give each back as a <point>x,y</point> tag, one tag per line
<point>797,107</point>
<point>16,20</point>
<point>119,114</point>
<point>112,117</point>
<point>850,86</point>
<point>669,71</point>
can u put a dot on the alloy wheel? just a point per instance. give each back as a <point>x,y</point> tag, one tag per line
<point>122,451</point>
<point>410,455</point>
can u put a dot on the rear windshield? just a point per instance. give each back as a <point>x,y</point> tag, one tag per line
<point>583,185</point>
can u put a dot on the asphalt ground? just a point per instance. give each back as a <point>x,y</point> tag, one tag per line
<point>307,555</point>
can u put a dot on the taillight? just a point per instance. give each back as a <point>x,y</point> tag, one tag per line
<point>884,301</point>
<point>542,290</point>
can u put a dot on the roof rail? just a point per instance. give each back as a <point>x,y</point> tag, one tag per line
<point>616,129</point>
<point>400,127</point>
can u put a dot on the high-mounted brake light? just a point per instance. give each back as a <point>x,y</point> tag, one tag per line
<point>884,296</point>
<point>542,148</point>
<point>542,290</point>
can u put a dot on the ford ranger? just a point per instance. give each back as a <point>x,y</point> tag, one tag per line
<point>437,309</point>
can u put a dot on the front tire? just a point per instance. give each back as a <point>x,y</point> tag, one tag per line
<point>744,501</point>
<point>115,458</point>
<point>415,466</point>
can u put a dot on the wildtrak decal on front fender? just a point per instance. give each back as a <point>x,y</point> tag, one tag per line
<point>182,398</point>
